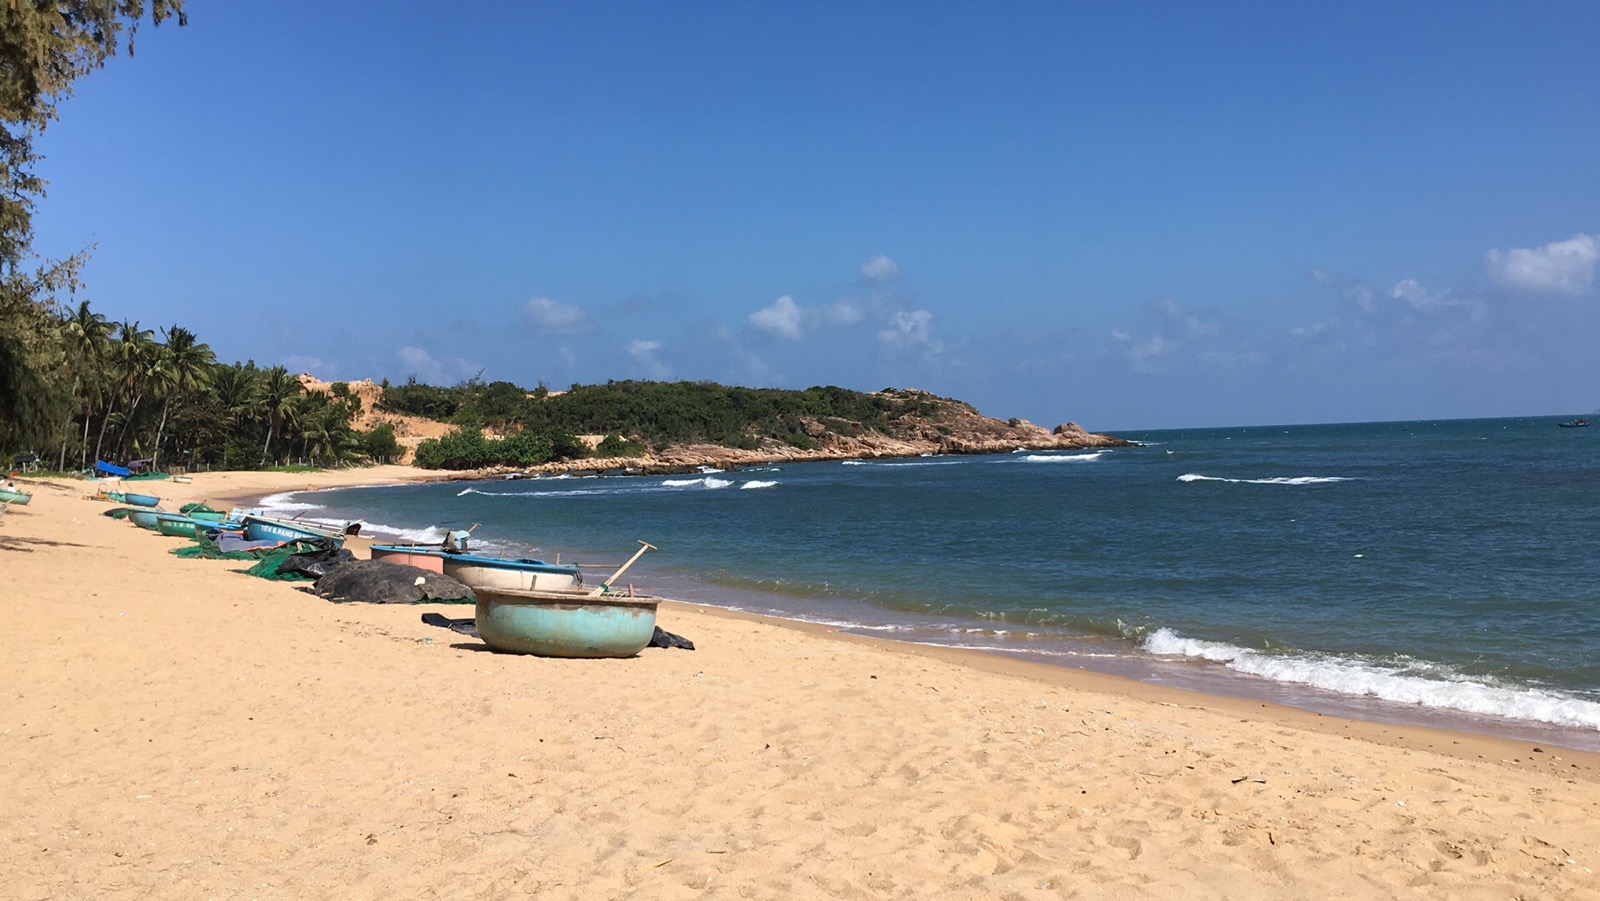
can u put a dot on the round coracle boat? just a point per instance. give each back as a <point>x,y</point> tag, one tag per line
<point>565,623</point>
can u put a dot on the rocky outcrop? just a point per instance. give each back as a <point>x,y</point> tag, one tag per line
<point>942,426</point>
<point>925,424</point>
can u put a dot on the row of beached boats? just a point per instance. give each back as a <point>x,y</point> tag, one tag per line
<point>523,605</point>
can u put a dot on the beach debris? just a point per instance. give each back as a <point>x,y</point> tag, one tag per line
<point>380,582</point>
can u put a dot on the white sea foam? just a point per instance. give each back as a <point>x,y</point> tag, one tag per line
<point>1424,685</point>
<point>854,462</point>
<point>1282,480</point>
<point>398,535</point>
<point>757,483</point>
<point>1063,458</point>
<point>707,482</point>
<point>709,469</point>
<point>277,505</point>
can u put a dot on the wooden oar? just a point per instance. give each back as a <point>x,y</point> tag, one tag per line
<point>644,546</point>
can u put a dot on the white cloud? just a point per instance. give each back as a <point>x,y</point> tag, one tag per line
<point>314,365</point>
<point>1564,267</point>
<point>1418,297</point>
<point>644,353</point>
<point>1157,346</point>
<point>842,314</point>
<point>880,269</point>
<point>909,330</point>
<point>1121,335</point>
<point>550,317</point>
<point>1193,324</point>
<point>793,321</point>
<point>781,319</point>
<point>433,371</point>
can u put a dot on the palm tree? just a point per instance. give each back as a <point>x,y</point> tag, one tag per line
<point>185,368</point>
<point>234,387</point>
<point>85,334</point>
<point>275,393</point>
<point>129,353</point>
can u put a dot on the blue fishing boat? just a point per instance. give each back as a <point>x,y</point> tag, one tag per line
<point>592,623</point>
<point>141,500</point>
<point>13,496</point>
<point>261,528</point>
<point>178,525</point>
<point>144,518</point>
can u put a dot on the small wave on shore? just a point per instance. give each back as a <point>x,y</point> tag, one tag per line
<point>757,483</point>
<point>1426,685</point>
<point>1282,480</point>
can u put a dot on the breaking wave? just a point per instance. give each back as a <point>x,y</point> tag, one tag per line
<point>756,483</point>
<point>707,482</point>
<point>1063,458</point>
<point>1282,480</point>
<point>1415,682</point>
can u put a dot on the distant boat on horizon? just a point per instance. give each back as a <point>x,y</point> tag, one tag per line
<point>1574,424</point>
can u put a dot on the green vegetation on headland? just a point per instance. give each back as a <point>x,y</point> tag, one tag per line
<point>636,417</point>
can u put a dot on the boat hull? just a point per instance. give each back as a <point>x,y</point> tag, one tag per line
<point>258,529</point>
<point>421,558</point>
<point>141,500</point>
<point>144,519</point>
<point>178,526</point>
<point>565,624</point>
<point>511,575</point>
<point>20,498</point>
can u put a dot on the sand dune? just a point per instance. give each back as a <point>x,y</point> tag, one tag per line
<point>173,729</point>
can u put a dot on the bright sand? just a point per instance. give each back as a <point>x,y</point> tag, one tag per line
<point>170,728</point>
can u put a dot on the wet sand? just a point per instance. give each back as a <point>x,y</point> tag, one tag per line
<point>172,728</point>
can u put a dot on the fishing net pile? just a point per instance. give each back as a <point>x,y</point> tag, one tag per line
<point>380,582</point>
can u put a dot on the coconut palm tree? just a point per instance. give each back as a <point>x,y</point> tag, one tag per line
<point>129,355</point>
<point>185,368</point>
<point>84,335</point>
<point>275,394</point>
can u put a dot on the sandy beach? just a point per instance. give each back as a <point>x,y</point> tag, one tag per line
<point>174,729</point>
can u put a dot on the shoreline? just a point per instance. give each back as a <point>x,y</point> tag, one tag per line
<point>1082,654</point>
<point>1221,686</point>
<point>174,728</point>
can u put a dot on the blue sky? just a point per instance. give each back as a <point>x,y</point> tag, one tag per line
<point>1132,215</point>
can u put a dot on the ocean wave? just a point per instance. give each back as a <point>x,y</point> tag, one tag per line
<point>1281,480</point>
<point>1063,458</point>
<point>707,482</point>
<point>1441,688</point>
<point>757,483</point>
<point>277,505</point>
<point>398,535</point>
<point>552,492</point>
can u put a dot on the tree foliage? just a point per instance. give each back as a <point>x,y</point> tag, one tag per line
<point>45,46</point>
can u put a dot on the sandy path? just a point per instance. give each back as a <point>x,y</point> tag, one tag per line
<point>170,728</point>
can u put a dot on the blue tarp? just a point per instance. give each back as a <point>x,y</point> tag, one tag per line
<point>107,469</point>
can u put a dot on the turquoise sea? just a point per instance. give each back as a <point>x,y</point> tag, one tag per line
<point>1439,573</point>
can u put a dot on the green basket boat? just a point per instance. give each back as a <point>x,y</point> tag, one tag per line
<point>20,498</point>
<point>179,526</point>
<point>565,623</point>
